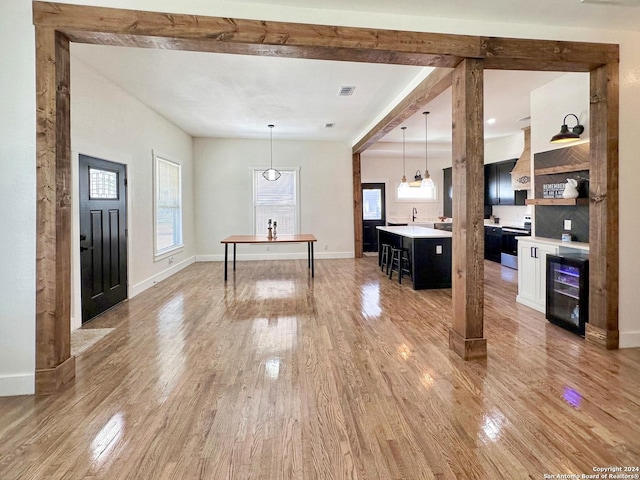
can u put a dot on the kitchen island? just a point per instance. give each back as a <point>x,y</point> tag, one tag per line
<point>429,253</point>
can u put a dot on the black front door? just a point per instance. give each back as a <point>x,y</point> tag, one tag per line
<point>103,235</point>
<point>373,214</point>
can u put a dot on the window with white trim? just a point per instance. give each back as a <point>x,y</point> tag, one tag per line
<point>167,205</point>
<point>277,201</point>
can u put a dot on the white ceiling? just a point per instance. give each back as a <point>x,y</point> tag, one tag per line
<point>599,14</point>
<point>235,96</point>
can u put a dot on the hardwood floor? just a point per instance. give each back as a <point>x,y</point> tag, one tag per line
<point>349,375</point>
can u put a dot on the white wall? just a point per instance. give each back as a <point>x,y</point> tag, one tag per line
<point>108,123</point>
<point>224,195</point>
<point>388,170</point>
<point>17,141</point>
<point>17,196</point>
<point>551,103</point>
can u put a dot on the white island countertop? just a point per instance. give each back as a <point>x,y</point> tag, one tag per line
<point>417,232</point>
<point>556,243</point>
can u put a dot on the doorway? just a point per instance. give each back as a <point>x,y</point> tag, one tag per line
<point>103,235</point>
<point>373,214</point>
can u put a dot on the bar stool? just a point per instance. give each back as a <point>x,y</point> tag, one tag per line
<point>400,263</point>
<point>384,259</point>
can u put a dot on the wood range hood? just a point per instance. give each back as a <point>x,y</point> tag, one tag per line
<point>521,173</point>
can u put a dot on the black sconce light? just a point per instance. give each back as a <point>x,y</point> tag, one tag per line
<point>568,136</point>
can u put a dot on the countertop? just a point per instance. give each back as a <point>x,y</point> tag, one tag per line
<point>417,232</point>
<point>557,243</point>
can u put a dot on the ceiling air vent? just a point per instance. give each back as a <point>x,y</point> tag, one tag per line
<point>346,91</point>
<point>329,125</point>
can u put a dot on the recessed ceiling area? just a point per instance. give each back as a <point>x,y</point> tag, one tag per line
<point>237,96</point>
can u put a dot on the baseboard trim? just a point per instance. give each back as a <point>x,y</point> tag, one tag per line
<point>157,278</point>
<point>248,257</point>
<point>13,385</point>
<point>629,340</point>
<point>530,304</point>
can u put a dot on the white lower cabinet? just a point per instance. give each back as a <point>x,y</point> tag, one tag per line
<point>532,272</point>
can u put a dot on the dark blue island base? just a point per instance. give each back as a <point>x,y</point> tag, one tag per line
<point>430,257</point>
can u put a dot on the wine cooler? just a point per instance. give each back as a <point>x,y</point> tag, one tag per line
<point>568,291</point>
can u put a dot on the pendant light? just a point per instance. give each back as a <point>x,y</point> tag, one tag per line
<point>271,174</point>
<point>404,183</point>
<point>427,182</point>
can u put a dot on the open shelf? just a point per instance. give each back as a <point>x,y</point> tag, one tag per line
<point>557,201</point>
<point>562,169</point>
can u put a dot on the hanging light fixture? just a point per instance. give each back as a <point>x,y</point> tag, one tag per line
<point>271,174</point>
<point>427,181</point>
<point>568,136</point>
<point>404,183</point>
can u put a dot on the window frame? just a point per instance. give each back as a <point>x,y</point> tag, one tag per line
<point>257,170</point>
<point>178,246</point>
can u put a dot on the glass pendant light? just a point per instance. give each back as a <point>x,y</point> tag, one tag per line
<point>404,183</point>
<point>427,181</point>
<point>271,174</point>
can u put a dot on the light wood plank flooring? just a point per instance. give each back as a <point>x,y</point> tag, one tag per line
<point>349,375</point>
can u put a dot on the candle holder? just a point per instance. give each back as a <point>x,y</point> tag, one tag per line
<point>275,225</point>
<point>269,231</point>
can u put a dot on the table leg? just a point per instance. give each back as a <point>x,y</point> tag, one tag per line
<point>312,265</point>
<point>308,254</point>
<point>234,257</point>
<point>226,254</point>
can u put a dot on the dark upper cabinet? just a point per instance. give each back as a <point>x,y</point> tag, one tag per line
<point>447,194</point>
<point>497,185</point>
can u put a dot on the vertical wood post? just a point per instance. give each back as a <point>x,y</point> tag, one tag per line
<point>466,333</point>
<point>357,206</point>
<point>54,365</point>
<point>603,208</point>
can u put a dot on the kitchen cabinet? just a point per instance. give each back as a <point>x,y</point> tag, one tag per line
<point>430,253</point>
<point>497,185</point>
<point>447,196</point>
<point>492,243</point>
<point>532,269</point>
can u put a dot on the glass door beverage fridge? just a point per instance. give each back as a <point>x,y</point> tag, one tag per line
<point>568,291</point>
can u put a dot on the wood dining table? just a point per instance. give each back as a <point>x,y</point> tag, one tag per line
<point>262,239</point>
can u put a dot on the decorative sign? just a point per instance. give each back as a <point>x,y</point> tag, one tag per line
<point>553,190</point>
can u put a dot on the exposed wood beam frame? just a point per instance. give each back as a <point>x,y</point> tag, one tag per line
<point>54,364</point>
<point>58,24</point>
<point>110,26</point>
<point>603,207</point>
<point>357,206</point>
<point>466,336</point>
<point>432,86</point>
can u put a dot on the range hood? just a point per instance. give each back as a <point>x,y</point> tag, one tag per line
<point>521,173</point>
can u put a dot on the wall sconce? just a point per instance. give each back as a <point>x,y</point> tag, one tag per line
<point>568,136</point>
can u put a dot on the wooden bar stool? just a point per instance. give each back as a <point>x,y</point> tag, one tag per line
<point>400,263</point>
<point>384,259</point>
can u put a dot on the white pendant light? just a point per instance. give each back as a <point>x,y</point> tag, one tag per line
<point>271,174</point>
<point>404,183</point>
<point>427,181</point>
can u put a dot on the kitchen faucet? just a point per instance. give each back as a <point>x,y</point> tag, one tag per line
<point>415,214</point>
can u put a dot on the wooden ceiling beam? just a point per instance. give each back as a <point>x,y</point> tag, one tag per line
<point>112,26</point>
<point>432,86</point>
